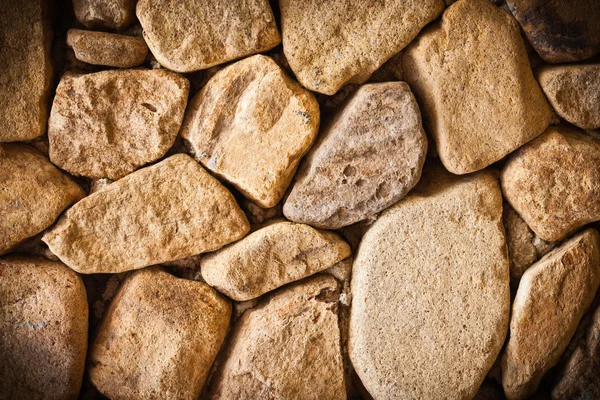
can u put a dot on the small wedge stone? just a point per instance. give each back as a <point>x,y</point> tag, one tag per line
<point>100,48</point>
<point>109,14</point>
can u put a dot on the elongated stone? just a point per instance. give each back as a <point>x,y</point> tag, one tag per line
<point>101,48</point>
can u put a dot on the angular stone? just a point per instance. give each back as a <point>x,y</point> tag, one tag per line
<point>26,69</point>
<point>33,194</point>
<point>288,346</point>
<point>552,297</point>
<point>574,92</point>
<point>368,157</point>
<point>159,338</point>
<point>271,257</point>
<point>472,77</point>
<point>148,218</point>
<point>108,124</point>
<point>100,48</point>
<point>108,14</point>
<point>554,182</point>
<point>44,328</point>
<point>329,44</point>
<point>560,31</point>
<point>250,125</point>
<point>430,290</point>
<point>189,35</point>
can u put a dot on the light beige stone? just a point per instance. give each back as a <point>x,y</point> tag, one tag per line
<point>189,35</point>
<point>329,44</point>
<point>552,297</point>
<point>271,257</point>
<point>286,347</point>
<point>33,193</point>
<point>171,210</point>
<point>43,329</point>
<point>472,77</point>
<point>108,124</point>
<point>250,125</point>
<point>101,48</point>
<point>159,338</point>
<point>107,14</point>
<point>430,290</point>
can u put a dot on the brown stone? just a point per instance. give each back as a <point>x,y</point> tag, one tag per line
<point>33,194</point>
<point>108,14</point>
<point>250,125</point>
<point>44,327</point>
<point>287,347</point>
<point>471,74</point>
<point>159,338</point>
<point>552,297</point>
<point>553,182</point>
<point>100,48</point>
<point>108,124</point>
<point>148,218</point>
<point>329,44</point>
<point>366,159</point>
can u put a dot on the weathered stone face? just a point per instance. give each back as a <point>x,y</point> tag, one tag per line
<point>101,48</point>
<point>105,14</point>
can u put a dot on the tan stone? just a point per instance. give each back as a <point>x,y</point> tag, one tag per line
<point>250,125</point>
<point>367,158</point>
<point>108,124</point>
<point>472,77</point>
<point>100,48</point>
<point>159,338</point>
<point>189,35</point>
<point>430,290</point>
<point>271,257</point>
<point>44,327</point>
<point>171,210</point>
<point>287,347</point>
<point>110,14</point>
<point>33,194</point>
<point>574,92</point>
<point>552,297</point>
<point>26,69</point>
<point>329,44</point>
<point>554,182</point>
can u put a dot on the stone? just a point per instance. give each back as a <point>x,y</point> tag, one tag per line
<point>190,35</point>
<point>330,44</point>
<point>250,125</point>
<point>573,91</point>
<point>430,290</point>
<point>108,124</point>
<point>105,14</point>
<point>26,69</point>
<point>148,218</point>
<point>273,256</point>
<point>44,320</point>
<point>34,193</point>
<point>472,77</point>
<point>553,182</point>
<point>560,31</point>
<point>110,49</point>
<point>286,347</point>
<point>159,338</point>
<point>366,159</point>
<point>552,297</point>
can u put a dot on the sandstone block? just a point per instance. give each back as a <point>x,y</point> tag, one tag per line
<point>100,48</point>
<point>107,14</point>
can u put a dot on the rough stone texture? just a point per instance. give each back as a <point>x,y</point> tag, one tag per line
<point>366,159</point>
<point>574,92</point>
<point>100,48</point>
<point>148,218</point>
<point>107,14</point>
<point>287,347</point>
<point>250,125</point>
<point>554,182</point>
<point>560,31</point>
<point>44,327</point>
<point>430,291</point>
<point>33,193</point>
<point>189,35</point>
<point>108,124</point>
<point>472,78</point>
<point>26,69</point>
<point>329,44</point>
<point>552,297</point>
<point>271,257</point>
<point>159,338</point>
